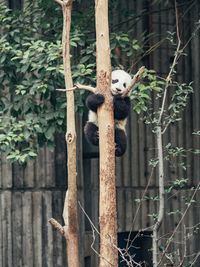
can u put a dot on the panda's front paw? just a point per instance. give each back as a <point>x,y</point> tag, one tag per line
<point>121,107</point>
<point>99,99</point>
<point>94,101</point>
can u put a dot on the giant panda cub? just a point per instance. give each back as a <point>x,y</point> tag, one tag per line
<point>121,80</point>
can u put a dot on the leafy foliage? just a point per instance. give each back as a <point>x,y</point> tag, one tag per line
<point>31,110</point>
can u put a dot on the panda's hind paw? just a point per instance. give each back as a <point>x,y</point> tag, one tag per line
<point>120,142</point>
<point>92,133</point>
<point>119,151</point>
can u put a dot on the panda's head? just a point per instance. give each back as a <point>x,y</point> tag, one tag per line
<point>120,82</point>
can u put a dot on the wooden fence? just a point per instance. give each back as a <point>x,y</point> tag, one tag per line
<point>30,196</point>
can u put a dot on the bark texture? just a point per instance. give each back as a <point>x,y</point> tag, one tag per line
<point>107,198</point>
<point>70,209</point>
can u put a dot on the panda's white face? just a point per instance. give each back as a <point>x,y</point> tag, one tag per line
<point>120,82</point>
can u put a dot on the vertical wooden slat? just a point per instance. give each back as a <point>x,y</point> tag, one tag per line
<point>119,172</point>
<point>188,110</point>
<point>144,208</point>
<point>6,172</point>
<point>1,229</point>
<point>87,192</point>
<point>196,96</point>
<point>128,212</point>
<point>134,159</point>
<point>37,229</point>
<point>60,160</point>
<point>57,238</point>
<point>80,184</point>
<point>136,225</point>
<point>95,184</point>
<point>6,226</point>
<point>40,169</point>
<point>142,179</point>
<point>95,205</point>
<point>27,232</point>
<point>17,228</point>
<point>49,168</point>
<point>126,162</point>
<point>1,176</point>
<point>17,173</point>
<point>47,234</point>
<point>164,66</point>
<point>120,209</point>
<point>29,174</point>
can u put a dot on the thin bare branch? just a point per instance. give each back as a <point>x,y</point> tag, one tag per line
<point>86,87</point>
<point>137,210</point>
<point>185,247</point>
<point>179,223</point>
<point>94,230</point>
<point>57,226</point>
<point>176,57</point>
<point>90,221</point>
<point>81,87</point>
<point>65,90</point>
<point>135,80</point>
<point>159,141</point>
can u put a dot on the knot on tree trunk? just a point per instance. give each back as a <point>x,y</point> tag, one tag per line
<point>69,137</point>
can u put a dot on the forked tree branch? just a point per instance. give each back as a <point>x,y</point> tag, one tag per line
<point>135,80</point>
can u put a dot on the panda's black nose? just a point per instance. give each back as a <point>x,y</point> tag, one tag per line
<point>118,89</point>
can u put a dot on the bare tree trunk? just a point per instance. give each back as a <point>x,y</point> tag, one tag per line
<point>70,209</point>
<point>70,230</point>
<point>159,141</point>
<point>107,201</point>
<point>161,196</point>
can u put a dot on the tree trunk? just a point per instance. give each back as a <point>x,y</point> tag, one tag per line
<point>70,206</point>
<point>107,198</point>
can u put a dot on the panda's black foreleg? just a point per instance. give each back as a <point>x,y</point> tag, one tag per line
<point>121,107</point>
<point>92,133</point>
<point>120,142</point>
<point>94,101</point>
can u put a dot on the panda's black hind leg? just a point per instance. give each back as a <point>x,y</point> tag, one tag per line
<point>120,142</point>
<point>92,133</point>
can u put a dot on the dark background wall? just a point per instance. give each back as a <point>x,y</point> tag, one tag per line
<point>30,196</point>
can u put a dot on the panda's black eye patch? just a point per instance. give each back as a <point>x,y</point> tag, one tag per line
<point>115,81</point>
<point>124,84</point>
